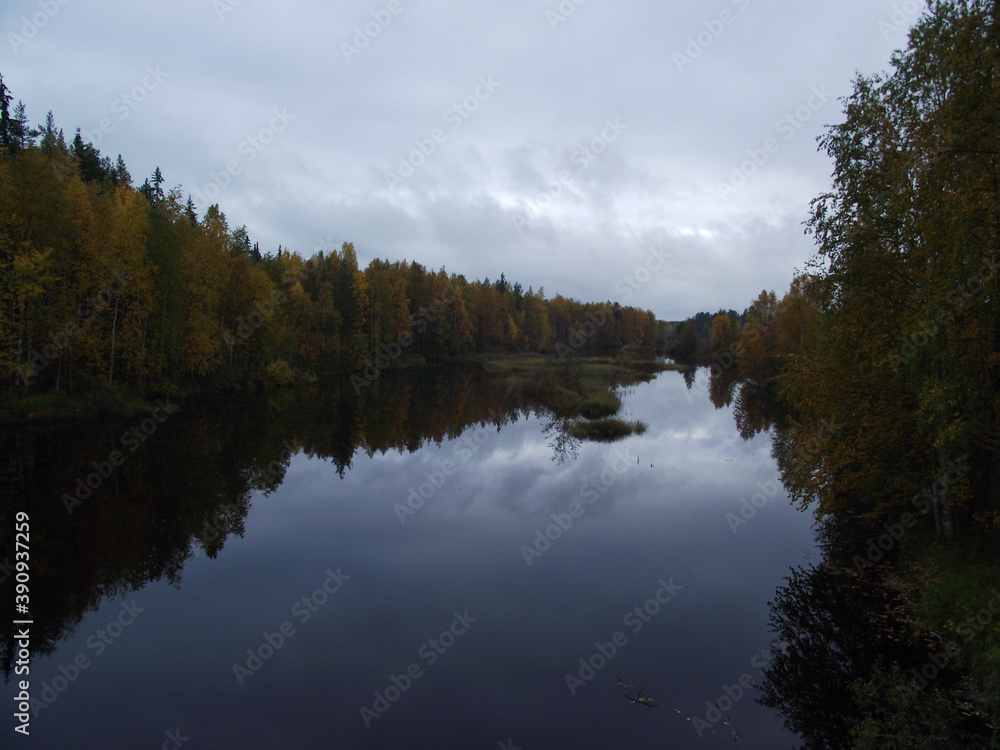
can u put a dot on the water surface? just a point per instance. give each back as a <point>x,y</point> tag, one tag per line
<point>284,528</point>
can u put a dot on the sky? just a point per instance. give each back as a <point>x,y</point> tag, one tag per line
<point>655,153</point>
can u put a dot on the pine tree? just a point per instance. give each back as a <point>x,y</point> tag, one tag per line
<point>191,212</point>
<point>52,139</point>
<point>93,167</point>
<point>157,185</point>
<point>6,135</point>
<point>20,130</point>
<point>121,173</point>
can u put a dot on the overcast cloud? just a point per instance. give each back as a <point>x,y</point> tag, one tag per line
<point>563,144</point>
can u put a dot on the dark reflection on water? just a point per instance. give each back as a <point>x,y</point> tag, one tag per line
<point>260,570</point>
<point>186,487</point>
<point>850,660</point>
<point>835,627</point>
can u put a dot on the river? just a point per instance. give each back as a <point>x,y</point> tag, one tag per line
<point>429,565</point>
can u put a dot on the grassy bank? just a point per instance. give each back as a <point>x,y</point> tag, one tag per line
<point>633,360</point>
<point>584,375</point>
<point>57,406</point>
<point>953,699</point>
<point>571,387</point>
<point>579,388</point>
<point>959,600</point>
<point>606,430</point>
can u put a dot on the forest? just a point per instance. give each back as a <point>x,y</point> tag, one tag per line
<point>105,286</point>
<point>886,347</point>
<point>878,373</point>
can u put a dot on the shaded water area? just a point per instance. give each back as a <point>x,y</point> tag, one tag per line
<point>431,564</point>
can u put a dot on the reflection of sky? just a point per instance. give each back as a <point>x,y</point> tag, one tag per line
<point>505,677</point>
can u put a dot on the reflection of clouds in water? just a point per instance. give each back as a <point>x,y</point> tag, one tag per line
<point>663,515</point>
<point>689,447</point>
<point>690,454</point>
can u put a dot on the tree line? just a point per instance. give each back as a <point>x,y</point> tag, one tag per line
<point>103,284</point>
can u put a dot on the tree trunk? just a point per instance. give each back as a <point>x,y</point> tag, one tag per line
<point>946,527</point>
<point>114,332</point>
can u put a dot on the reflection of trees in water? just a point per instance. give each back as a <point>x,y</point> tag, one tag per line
<point>832,627</point>
<point>841,670</point>
<point>755,410</point>
<point>722,387</point>
<point>564,446</point>
<point>188,488</point>
<point>140,524</point>
<point>841,673</point>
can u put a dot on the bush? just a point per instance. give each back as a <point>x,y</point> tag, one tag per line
<point>601,405</point>
<point>899,717</point>
<point>280,373</point>
<point>606,430</point>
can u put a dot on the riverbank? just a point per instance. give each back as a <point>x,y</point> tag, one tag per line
<point>570,386</point>
<point>59,406</point>
<point>959,599</point>
<point>580,390</point>
<point>948,695</point>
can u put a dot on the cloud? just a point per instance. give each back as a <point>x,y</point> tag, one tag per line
<point>519,176</point>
